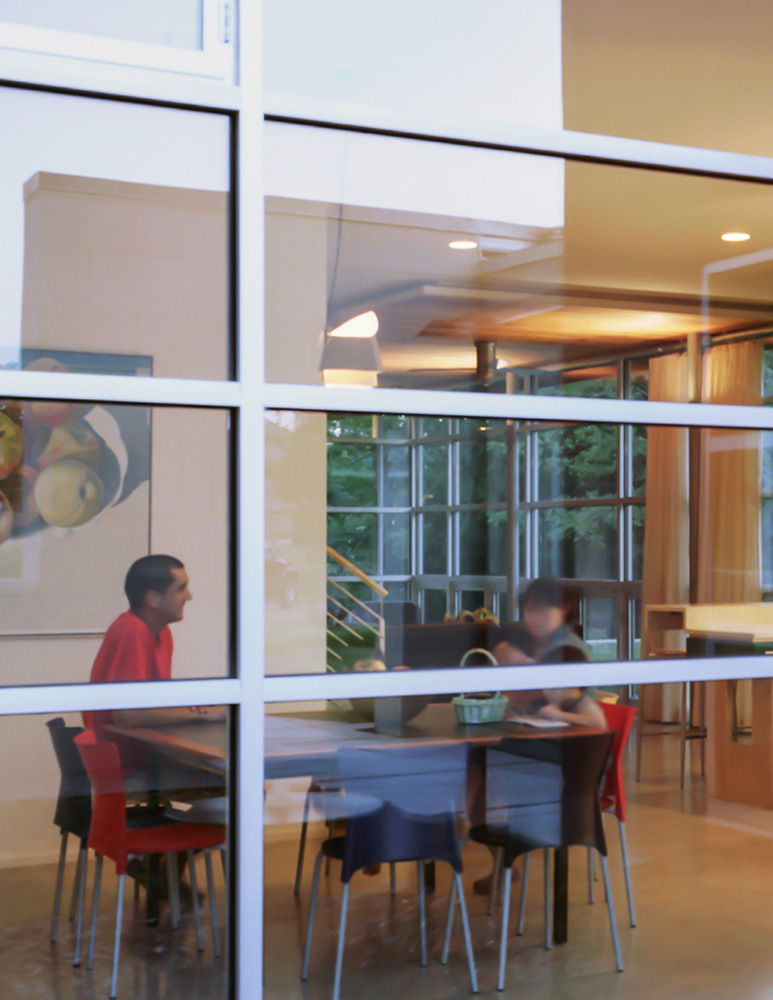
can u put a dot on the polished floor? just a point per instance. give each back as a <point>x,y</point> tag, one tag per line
<point>703,883</point>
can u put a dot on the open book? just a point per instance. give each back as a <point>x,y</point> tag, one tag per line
<point>536,721</point>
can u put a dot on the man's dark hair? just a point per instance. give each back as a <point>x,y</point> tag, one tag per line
<point>149,573</point>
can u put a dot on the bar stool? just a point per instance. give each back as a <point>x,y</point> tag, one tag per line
<point>691,694</point>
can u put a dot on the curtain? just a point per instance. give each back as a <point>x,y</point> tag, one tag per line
<point>666,569</point>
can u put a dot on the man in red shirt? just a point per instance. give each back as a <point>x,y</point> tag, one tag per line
<point>138,645</point>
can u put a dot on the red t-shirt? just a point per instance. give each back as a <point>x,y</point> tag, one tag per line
<point>130,652</point>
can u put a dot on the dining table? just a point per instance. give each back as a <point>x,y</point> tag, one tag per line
<point>305,744</point>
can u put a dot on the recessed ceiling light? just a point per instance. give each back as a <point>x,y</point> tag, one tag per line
<point>463,244</point>
<point>735,237</point>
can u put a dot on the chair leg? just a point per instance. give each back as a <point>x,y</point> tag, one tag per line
<point>422,913</point>
<point>494,879</point>
<point>505,923</point>
<point>449,921</point>
<point>83,855</point>
<point>59,881</point>
<point>94,909</point>
<point>392,879</point>
<point>76,885</point>
<point>117,941</point>
<point>341,938</point>
<point>173,880</point>
<point>212,907</point>
<point>312,908</point>
<point>522,904</point>
<point>611,909</point>
<point>548,911</point>
<point>627,872</point>
<point>457,881</point>
<point>302,844</point>
<point>195,895</point>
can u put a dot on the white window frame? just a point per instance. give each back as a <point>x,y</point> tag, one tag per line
<point>248,692</point>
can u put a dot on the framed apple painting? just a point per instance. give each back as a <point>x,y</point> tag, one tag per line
<point>74,496</point>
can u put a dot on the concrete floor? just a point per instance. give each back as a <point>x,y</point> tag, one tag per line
<point>703,884</point>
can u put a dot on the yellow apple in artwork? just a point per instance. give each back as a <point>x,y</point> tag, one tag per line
<point>11,446</point>
<point>75,441</point>
<point>68,493</point>
<point>49,412</point>
<point>19,489</point>
<point>6,518</point>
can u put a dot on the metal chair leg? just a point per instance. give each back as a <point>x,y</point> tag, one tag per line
<point>611,909</point>
<point>117,941</point>
<point>548,912</point>
<point>59,881</point>
<point>312,908</point>
<point>457,882</point>
<point>449,921</point>
<point>94,909</point>
<point>627,872</point>
<point>341,938</point>
<point>522,904</point>
<point>195,895</point>
<point>683,733</point>
<point>505,923</point>
<point>76,884</point>
<point>212,907</point>
<point>422,913</point>
<point>83,856</point>
<point>494,879</point>
<point>302,844</point>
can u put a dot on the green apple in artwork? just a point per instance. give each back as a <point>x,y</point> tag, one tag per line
<point>6,518</point>
<point>11,446</point>
<point>75,441</point>
<point>68,493</point>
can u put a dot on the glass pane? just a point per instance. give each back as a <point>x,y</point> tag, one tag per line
<point>483,466</point>
<point>483,543</point>
<point>43,821</point>
<point>600,627</point>
<point>397,476</point>
<point>390,572</point>
<point>177,23</point>
<point>115,250</point>
<point>583,65</point>
<point>552,296</point>
<point>394,426</point>
<point>577,462</point>
<point>85,491</point>
<point>434,467</point>
<point>351,475</point>
<point>434,538</point>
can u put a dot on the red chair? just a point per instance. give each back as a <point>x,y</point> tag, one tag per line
<point>619,719</point>
<point>110,836</point>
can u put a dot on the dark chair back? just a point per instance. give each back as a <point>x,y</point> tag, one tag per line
<point>73,807</point>
<point>583,759</point>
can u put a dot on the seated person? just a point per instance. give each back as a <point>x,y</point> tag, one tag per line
<point>546,635</point>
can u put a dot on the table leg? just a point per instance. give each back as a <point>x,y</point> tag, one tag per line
<point>560,894</point>
<point>476,784</point>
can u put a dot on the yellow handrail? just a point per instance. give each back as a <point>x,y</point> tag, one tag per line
<point>356,571</point>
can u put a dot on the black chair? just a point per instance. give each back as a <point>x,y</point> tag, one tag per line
<point>575,766</point>
<point>72,816</point>
<point>406,814</point>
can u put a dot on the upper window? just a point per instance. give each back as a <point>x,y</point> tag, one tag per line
<point>692,72</point>
<point>181,36</point>
<point>115,235</point>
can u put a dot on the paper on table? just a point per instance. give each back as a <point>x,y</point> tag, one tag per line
<point>536,721</point>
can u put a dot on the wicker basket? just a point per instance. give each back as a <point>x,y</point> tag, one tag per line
<point>474,711</point>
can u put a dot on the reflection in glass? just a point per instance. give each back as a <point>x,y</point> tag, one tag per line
<point>114,257</point>
<point>85,490</point>
<point>44,834</point>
